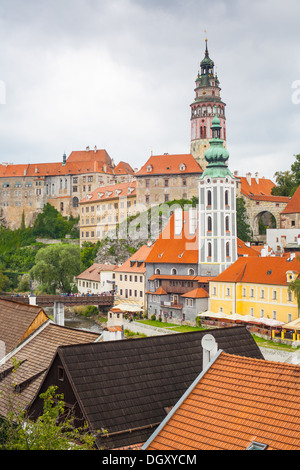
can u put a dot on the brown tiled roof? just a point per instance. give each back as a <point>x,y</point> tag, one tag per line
<point>123,168</point>
<point>17,320</point>
<point>125,387</point>
<point>237,401</point>
<point>93,272</point>
<point>35,356</point>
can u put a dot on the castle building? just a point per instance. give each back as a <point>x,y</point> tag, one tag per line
<point>207,98</point>
<point>26,188</point>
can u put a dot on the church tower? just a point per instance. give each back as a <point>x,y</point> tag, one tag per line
<point>207,96</point>
<point>217,208</point>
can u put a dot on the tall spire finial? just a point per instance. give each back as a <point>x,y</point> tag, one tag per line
<point>206,50</point>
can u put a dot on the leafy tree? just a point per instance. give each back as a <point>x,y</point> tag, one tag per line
<point>51,224</point>
<point>243,228</point>
<point>288,181</point>
<point>53,430</point>
<point>294,287</point>
<point>88,254</point>
<point>56,266</point>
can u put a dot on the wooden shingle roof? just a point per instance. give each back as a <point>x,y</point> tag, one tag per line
<point>35,356</point>
<point>17,321</point>
<point>236,402</point>
<point>126,387</point>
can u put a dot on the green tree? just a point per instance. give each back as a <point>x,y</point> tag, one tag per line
<point>51,224</point>
<point>243,228</point>
<point>287,181</point>
<point>56,266</point>
<point>53,430</point>
<point>294,287</point>
<point>88,254</point>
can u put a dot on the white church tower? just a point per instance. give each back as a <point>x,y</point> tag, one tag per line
<point>217,209</point>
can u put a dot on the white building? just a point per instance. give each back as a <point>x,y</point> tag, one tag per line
<point>97,279</point>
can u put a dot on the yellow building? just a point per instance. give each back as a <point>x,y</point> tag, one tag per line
<point>258,287</point>
<point>103,209</point>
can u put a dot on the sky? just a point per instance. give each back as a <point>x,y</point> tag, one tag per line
<point>120,75</point>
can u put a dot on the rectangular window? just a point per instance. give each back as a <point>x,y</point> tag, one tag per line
<point>61,373</point>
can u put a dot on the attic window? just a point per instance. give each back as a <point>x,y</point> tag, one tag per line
<point>269,272</point>
<point>60,373</point>
<point>257,446</point>
<point>182,167</point>
<point>149,168</point>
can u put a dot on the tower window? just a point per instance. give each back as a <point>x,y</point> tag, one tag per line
<point>227,250</point>
<point>226,198</point>
<point>209,224</point>
<point>209,250</point>
<point>209,198</point>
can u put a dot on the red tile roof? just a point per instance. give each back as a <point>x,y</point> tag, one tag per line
<point>184,247</point>
<point>132,263</point>
<point>89,155</point>
<point>265,270</point>
<point>293,206</point>
<point>238,400</point>
<point>170,164</point>
<point>198,293</point>
<point>260,190</point>
<point>113,191</point>
<point>123,168</point>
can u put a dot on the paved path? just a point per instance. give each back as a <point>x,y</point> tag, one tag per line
<point>268,353</point>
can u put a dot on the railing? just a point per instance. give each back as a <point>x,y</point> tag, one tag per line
<point>48,300</point>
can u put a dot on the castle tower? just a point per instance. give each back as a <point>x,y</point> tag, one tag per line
<point>217,208</point>
<point>207,95</point>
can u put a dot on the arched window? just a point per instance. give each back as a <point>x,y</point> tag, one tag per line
<point>191,272</point>
<point>209,250</point>
<point>227,250</point>
<point>209,198</point>
<point>226,198</point>
<point>157,271</point>
<point>173,272</point>
<point>75,201</point>
<point>209,224</point>
<point>227,224</point>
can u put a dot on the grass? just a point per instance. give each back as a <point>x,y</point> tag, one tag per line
<point>261,342</point>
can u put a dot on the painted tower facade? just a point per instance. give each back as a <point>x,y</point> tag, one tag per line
<point>217,208</point>
<point>207,96</point>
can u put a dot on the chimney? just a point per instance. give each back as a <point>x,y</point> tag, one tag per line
<point>248,177</point>
<point>95,148</point>
<point>64,159</point>
<point>256,178</point>
<point>87,149</point>
<point>210,349</point>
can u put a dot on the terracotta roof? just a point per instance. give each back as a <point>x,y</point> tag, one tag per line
<point>293,206</point>
<point>159,291</point>
<point>244,249</point>
<point>126,386</point>
<point>132,264</point>
<point>113,191</point>
<point>259,270</point>
<point>183,248</point>
<point>260,190</point>
<point>123,168</point>
<point>170,164</point>
<point>18,320</point>
<point>36,356</point>
<point>93,273</point>
<point>53,169</point>
<point>198,293</point>
<point>89,155</point>
<point>237,401</point>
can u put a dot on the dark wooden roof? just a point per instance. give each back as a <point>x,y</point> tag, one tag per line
<point>16,319</point>
<point>35,356</point>
<point>125,387</point>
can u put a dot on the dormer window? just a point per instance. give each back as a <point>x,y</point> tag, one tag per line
<point>149,168</point>
<point>182,167</point>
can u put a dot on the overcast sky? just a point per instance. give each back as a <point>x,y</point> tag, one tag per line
<point>120,74</point>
